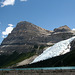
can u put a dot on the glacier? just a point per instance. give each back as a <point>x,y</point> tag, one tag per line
<point>57,49</point>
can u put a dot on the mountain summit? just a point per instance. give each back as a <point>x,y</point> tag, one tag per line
<point>62,29</point>
<point>26,33</point>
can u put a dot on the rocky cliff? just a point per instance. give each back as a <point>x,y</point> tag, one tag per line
<point>62,29</point>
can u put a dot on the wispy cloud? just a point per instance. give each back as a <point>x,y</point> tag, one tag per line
<point>7,30</point>
<point>73,29</point>
<point>7,2</point>
<point>24,0</point>
<point>10,2</point>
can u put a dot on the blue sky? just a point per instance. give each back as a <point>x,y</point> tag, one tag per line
<point>48,14</point>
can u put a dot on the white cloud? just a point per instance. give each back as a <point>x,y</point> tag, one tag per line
<point>10,25</point>
<point>3,36</point>
<point>7,2</point>
<point>24,0</point>
<point>7,30</point>
<point>73,29</point>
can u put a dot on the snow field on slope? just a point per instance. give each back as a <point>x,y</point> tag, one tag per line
<point>58,49</point>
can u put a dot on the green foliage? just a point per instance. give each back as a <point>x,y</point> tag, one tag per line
<point>14,58</point>
<point>42,47</point>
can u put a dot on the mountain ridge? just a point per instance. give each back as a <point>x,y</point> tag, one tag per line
<point>25,35</point>
<point>27,40</point>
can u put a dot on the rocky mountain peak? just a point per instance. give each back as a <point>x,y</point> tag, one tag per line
<point>23,38</point>
<point>27,26</point>
<point>26,35</point>
<point>24,25</point>
<point>62,29</point>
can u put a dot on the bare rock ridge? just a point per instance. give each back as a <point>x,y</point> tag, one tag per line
<point>62,29</point>
<point>26,35</point>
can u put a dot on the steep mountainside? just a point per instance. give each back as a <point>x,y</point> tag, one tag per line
<point>26,33</point>
<point>58,49</point>
<point>63,55</point>
<point>63,60</point>
<point>24,37</point>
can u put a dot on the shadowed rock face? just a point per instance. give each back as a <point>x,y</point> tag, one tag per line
<point>73,45</point>
<point>25,35</point>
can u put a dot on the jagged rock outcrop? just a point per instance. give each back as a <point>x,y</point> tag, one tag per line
<point>62,33</point>
<point>62,29</point>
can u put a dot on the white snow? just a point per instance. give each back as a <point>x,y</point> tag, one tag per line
<point>59,48</point>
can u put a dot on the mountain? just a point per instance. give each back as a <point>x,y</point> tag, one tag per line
<point>27,41</point>
<point>26,37</point>
<point>23,38</point>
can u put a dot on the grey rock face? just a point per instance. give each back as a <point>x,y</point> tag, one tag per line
<point>26,33</point>
<point>23,38</point>
<point>62,29</point>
